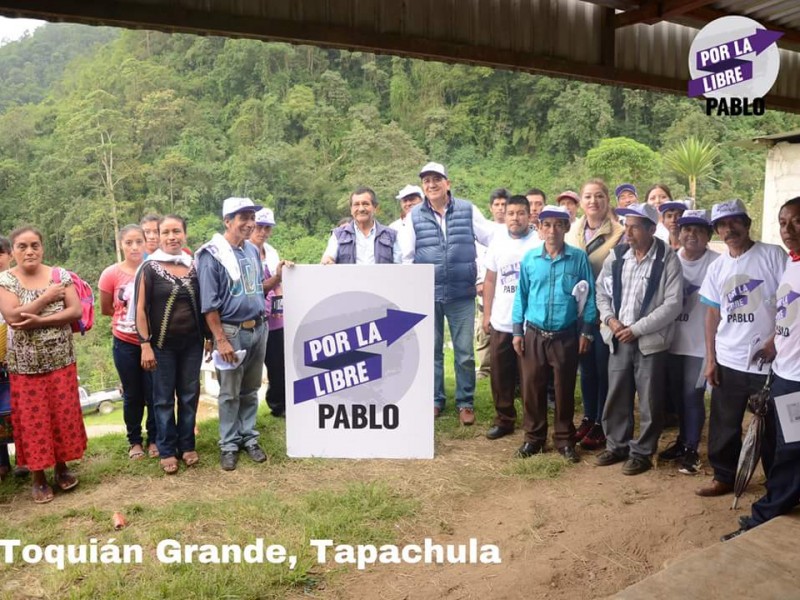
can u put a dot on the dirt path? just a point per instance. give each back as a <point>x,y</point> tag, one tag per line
<point>586,534</point>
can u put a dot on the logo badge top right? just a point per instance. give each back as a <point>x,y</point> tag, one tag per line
<point>734,62</point>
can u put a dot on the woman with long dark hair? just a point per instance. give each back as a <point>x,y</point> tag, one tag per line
<point>45,407</point>
<point>170,328</point>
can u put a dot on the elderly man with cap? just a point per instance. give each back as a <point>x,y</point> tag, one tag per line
<point>362,241</point>
<point>232,300</point>
<point>499,288</point>
<point>783,483</point>
<point>639,296</point>
<point>409,197</point>
<point>443,233</point>
<point>740,292</point>
<point>549,332</point>
<point>626,195</point>
<point>569,200</point>
<point>273,359</point>
<point>686,380</point>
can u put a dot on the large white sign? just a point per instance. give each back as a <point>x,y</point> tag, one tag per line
<point>359,361</point>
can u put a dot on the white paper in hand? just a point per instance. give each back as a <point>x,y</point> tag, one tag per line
<point>581,291</point>
<point>226,366</point>
<point>788,409</point>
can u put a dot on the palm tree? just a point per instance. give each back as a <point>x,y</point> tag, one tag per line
<point>692,158</point>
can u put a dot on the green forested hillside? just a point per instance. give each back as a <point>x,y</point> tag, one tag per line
<point>99,126</point>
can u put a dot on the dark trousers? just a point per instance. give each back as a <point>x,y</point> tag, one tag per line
<point>273,360</point>
<point>683,375</point>
<point>177,377</point>
<point>5,460</point>
<point>728,404</point>
<point>137,391</point>
<point>543,357</point>
<point>629,373</point>
<point>505,369</point>
<point>594,377</point>
<point>783,483</point>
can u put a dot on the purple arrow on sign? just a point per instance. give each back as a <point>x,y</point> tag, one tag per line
<point>724,58</point>
<point>390,328</point>
<point>338,378</point>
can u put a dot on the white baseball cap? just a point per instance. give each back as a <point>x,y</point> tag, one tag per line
<point>410,190</point>
<point>265,216</point>
<point>643,210</point>
<point>433,167</point>
<point>233,205</point>
<point>729,208</point>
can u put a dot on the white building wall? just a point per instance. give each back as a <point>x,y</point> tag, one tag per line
<point>781,182</point>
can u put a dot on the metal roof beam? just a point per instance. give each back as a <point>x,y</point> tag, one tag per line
<point>706,15</point>
<point>657,10</point>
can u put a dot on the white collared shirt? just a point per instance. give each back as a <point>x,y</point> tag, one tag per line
<point>365,247</point>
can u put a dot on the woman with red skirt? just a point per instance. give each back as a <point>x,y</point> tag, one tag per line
<point>45,406</point>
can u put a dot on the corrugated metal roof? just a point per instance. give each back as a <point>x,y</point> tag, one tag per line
<point>642,44</point>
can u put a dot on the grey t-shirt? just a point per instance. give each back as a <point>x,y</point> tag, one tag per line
<point>235,302</point>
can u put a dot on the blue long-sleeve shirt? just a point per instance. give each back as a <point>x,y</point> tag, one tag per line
<point>544,293</point>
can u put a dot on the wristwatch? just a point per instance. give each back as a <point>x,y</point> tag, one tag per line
<point>588,336</point>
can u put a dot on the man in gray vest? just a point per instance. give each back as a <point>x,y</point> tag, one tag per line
<point>443,233</point>
<point>362,241</point>
<point>639,296</point>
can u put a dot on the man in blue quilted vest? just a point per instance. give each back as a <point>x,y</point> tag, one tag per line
<point>443,233</point>
<point>362,241</point>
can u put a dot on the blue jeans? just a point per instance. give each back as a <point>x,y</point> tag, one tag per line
<point>238,389</point>
<point>137,391</point>
<point>461,319</point>
<point>783,482</point>
<point>177,376</point>
<point>683,374</point>
<point>594,377</point>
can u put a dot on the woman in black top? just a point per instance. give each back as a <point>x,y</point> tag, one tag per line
<point>170,328</point>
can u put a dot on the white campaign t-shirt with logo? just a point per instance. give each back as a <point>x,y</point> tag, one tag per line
<point>744,289</point>
<point>503,257</point>
<point>689,337</point>
<point>787,324</point>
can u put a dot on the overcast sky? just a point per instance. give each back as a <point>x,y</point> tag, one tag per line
<point>12,29</point>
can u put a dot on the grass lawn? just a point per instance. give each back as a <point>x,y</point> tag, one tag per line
<point>285,502</point>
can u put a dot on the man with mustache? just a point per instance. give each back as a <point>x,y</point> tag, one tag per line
<point>783,483</point>
<point>362,241</point>
<point>739,290</point>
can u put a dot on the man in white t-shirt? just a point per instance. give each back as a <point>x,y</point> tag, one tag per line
<point>739,290</point>
<point>783,483</point>
<point>686,358</point>
<point>497,206</point>
<point>502,260</point>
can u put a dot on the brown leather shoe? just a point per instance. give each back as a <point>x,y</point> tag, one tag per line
<point>717,488</point>
<point>466,416</point>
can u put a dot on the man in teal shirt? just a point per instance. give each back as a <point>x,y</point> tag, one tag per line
<point>555,285</point>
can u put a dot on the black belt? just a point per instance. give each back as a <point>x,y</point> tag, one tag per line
<point>551,335</point>
<point>250,324</point>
